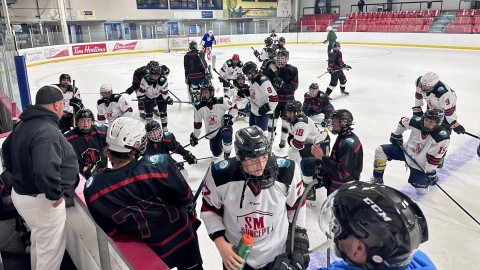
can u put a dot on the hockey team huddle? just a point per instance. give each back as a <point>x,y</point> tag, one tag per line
<point>255,192</point>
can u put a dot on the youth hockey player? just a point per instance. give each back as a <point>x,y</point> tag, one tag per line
<point>160,142</point>
<point>345,162</point>
<point>229,72</point>
<point>72,100</point>
<point>285,84</point>
<point>427,144</point>
<point>263,97</point>
<point>271,188</point>
<point>261,56</point>
<point>137,79</point>
<point>242,95</point>
<point>280,46</point>
<point>335,68</point>
<point>374,227</point>
<point>159,210</point>
<point>207,42</point>
<point>218,125</point>
<point>438,95</point>
<point>111,106</point>
<point>317,106</point>
<point>274,36</point>
<point>269,67</point>
<point>196,71</point>
<point>88,141</point>
<point>153,92</point>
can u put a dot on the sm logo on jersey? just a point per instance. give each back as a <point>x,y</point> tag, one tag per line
<point>257,224</point>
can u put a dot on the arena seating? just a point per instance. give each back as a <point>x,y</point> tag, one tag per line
<point>316,22</point>
<point>467,22</point>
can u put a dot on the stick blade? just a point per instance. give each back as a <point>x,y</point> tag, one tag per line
<point>478,150</point>
<point>214,61</point>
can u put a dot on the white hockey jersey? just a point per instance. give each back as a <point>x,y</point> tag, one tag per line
<point>229,71</point>
<point>67,96</point>
<point>426,148</point>
<point>304,131</point>
<point>261,92</point>
<point>262,213</point>
<point>212,114</point>
<point>263,55</point>
<point>239,101</point>
<point>153,89</point>
<point>441,97</point>
<point>109,110</point>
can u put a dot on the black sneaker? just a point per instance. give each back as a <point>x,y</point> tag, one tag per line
<point>345,92</point>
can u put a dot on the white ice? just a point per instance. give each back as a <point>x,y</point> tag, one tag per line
<point>381,86</point>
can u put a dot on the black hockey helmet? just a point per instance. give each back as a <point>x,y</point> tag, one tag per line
<point>434,114</point>
<point>281,39</point>
<point>345,117</point>
<point>151,128</point>
<point>241,76</point>
<point>294,106</point>
<point>206,87</point>
<point>193,46</point>
<point>273,31</point>
<point>155,70</point>
<point>388,222</point>
<point>313,86</point>
<point>152,64</point>
<point>84,113</point>
<point>271,49</point>
<point>282,58</point>
<point>251,142</point>
<point>65,77</point>
<point>336,45</point>
<point>249,68</point>
<point>268,41</point>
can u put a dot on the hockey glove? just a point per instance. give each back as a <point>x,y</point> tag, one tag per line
<point>180,166</point>
<point>227,120</point>
<point>129,90</point>
<point>347,67</point>
<point>264,109</point>
<point>76,103</point>
<point>309,111</point>
<point>88,170</point>
<point>190,158</point>
<point>283,262</point>
<point>417,111</point>
<point>256,53</point>
<point>165,70</point>
<point>432,178</point>
<point>325,41</point>
<point>169,100</point>
<point>278,83</point>
<point>193,140</point>
<point>325,123</point>
<point>241,93</point>
<point>330,70</point>
<point>396,140</point>
<point>459,129</point>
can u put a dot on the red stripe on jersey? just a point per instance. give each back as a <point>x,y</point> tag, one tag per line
<point>433,160</point>
<point>183,243</point>
<point>71,137</point>
<point>295,206</point>
<point>418,95</point>
<point>170,238</point>
<point>197,125</point>
<point>141,177</point>
<point>142,90</point>
<point>101,117</point>
<point>273,98</point>
<point>358,148</point>
<point>298,144</point>
<point>129,110</point>
<point>449,112</point>
<point>206,207</point>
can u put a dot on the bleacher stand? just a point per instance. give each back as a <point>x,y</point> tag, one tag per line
<point>467,22</point>
<point>316,22</point>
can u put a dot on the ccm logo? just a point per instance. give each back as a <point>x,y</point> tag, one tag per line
<point>377,209</point>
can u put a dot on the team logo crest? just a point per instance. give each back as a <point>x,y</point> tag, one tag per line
<point>91,156</point>
<point>283,163</point>
<point>212,120</point>
<point>156,159</point>
<point>222,164</point>
<point>349,140</point>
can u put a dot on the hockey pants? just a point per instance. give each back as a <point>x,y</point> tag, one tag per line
<point>335,77</point>
<point>150,105</point>
<point>272,122</point>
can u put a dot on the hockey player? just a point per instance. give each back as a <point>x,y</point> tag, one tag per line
<point>374,227</point>
<point>427,144</point>
<point>88,141</point>
<point>437,95</point>
<point>241,95</point>
<point>207,42</point>
<point>160,142</point>
<point>335,68</point>
<point>345,162</point>
<point>111,106</point>
<point>280,46</point>
<point>218,125</point>
<point>229,72</point>
<point>256,193</point>
<point>285,83</point>
<point>264,55</point>
<point>137,79</point>
<point>315,104</point>
<point>72,100</point>
<point>196,71</point>
<point>274,37</point>
<point>269,67</point>
<point>263,97</point>
<point>158,210</point>
<point>153,92</point>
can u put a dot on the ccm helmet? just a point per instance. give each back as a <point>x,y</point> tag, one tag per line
<point>125,134</point>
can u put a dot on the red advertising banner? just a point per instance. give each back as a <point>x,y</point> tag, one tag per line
<point>89,49</point>
<point>125,46</point>
<point>41,54</point>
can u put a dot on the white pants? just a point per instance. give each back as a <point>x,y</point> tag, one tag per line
<point>47,225</point>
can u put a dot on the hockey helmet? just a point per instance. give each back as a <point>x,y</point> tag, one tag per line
<point>293,106</point>
<point>329,28</point>
<point>282,58</point>
<point>193,46</point>
<point>105,88</point>
<point>273,31</point>
<point>388,222</point>
<point>65,77</point>
<point>236,57</point>
<point>210,32</point>
<point>84,114</point>
<point>428,81</point>
<point>345,118</point>
<point>433,115</point>
<point>281,39</point>
<point>152,64</point>
<point>155,70</point>
<point>336,45</point>
<point>268,41</point>
<point>126,134</point>
<point>313,89</point>
<point>249,68</point>
<point>154,131</point>
<point>241,76</point>
<point>204,88</point>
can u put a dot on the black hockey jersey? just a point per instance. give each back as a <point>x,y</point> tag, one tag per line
<point>167,145</point>
<point>317,104</point>
<point>289,75</point>
<point>138,74</point>
<point>345,162</point>
<point>195,65</point>
<point>89,148</point>
<point>147,198</point>
<point>269,68</point>
<point>335,60</point>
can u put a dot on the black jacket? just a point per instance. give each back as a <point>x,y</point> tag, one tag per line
<point>40,158</point>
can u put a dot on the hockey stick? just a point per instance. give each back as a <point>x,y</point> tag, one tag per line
<point>202,184</point>
<point>213,131</point>
<point>474,136</point>
<point>183,161</point>
<point>74,92</point>
<point>322,74</point>
<point>448,195</point>
<point>180,102</point>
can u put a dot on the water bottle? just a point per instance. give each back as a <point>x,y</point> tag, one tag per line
<point>244,247</point>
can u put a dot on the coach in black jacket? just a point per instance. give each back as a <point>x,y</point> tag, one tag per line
<point>44,169</point>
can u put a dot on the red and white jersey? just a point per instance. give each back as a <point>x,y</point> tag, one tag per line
<point>263,55</point>
<point>305,131</point>
<point>67,96</point>
<point>239,101</point>
<point>212,114</point>
<point>426,148</point>
<point>441,97</point>
<point>109,110</point>
<point>261,92</point>
<point>153,89</point>
<point>230,71</point>
<point>261,213</point>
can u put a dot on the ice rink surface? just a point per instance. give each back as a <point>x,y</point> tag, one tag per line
<point>381,86</point>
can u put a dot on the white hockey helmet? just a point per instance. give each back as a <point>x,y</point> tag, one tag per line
<point>125,134</point>
<point>329,28</point>
<point>210,32</point>
<point>428,81</point>
<point>105,88</point>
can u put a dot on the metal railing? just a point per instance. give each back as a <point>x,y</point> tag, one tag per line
<point>417,5</point>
